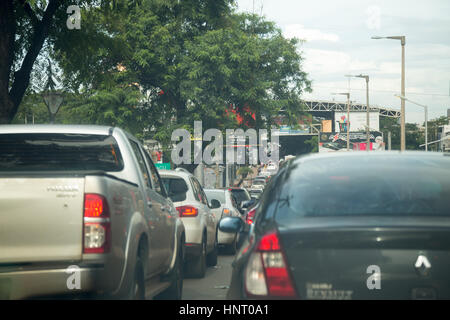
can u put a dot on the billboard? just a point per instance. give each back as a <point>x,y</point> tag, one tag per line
<point>327,126</point>
<point>358,121</point>
<point>337,141</point>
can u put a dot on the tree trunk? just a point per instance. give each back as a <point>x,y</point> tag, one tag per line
<point>7,34</point>
<point>10,99</point>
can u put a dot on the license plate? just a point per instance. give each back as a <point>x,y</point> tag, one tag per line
<point>424,294</point>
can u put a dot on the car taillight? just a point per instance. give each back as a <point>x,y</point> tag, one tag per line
<point>96,224</point>
<point>266,273</point>
<point>251,216</point>
<point>187,211</point>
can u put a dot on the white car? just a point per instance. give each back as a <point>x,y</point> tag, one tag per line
<point>228,208</point>
<point>258,184</point>
<point>199,220</point>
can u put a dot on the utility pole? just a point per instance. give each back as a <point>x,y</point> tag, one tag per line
<point>403,98</point>
<point>347,94</point>
<point>366,77</point>
<point>402,116</point>
<point>389,141</point>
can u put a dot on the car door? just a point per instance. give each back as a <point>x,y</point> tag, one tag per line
<point>168,213</point>
<point>153,215</point>
<point>209,215</point>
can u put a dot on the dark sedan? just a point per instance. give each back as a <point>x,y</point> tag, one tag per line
<point>349,226</point>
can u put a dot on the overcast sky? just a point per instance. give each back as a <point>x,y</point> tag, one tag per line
<point>338,42</point>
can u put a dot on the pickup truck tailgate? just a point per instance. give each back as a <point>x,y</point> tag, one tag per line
<point>41,219</point>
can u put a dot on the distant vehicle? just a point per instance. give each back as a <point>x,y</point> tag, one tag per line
<point>446,136</point>
<point>328,231</point>
<point>228,208</point>
<point>258,184</point>
<point>85,199</point>
<point>272,169</point>
<point>256,193</point>
<point>200,222</point>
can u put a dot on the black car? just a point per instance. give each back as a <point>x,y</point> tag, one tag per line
<point>349,226</point>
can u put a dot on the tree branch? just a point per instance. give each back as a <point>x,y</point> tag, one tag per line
<point>29,11</point>
<point>22,77</point>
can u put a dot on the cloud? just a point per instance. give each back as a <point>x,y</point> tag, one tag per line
<point>373,21</point>
<point>300,32</point>
<point>331,62</point>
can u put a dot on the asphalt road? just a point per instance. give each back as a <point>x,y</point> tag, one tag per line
<point>214,285</point>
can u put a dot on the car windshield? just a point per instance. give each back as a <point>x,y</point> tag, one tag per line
<point>377,187</point>
<point>258,182</point>
<point>53,152</point>
<point>216,194</point>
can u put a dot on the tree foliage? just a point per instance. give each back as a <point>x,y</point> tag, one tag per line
<point>150,66</point>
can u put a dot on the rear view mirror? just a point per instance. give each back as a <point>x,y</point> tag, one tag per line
<point>215,204</point>
<point>231,224</point>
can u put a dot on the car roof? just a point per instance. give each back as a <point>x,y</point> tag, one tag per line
<point>212,189</point>
<point>173,173</point>
<point>371,154</point>
<point>56,128</point>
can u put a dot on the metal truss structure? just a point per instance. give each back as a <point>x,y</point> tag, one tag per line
<point>318,106</point>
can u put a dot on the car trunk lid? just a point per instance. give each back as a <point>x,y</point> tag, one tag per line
<point>405,258</point>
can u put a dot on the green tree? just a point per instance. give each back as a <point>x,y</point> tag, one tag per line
<point>248,65</point>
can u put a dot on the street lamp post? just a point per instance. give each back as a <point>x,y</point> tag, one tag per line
<point>402,116</point>
<point>403,98</point>
<point>366,77</point>
<point>347,94</point>
<point>53,100</point>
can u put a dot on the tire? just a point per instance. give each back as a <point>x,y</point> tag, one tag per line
<point>176,276</point>
<point>232,247</point>
<point>197,269</point>
<point>211,259</point>
<point>136,290</point>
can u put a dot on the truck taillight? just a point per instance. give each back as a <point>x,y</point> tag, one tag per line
<point>96,226</point>
<point>266,273</point>
<point>187,211</point>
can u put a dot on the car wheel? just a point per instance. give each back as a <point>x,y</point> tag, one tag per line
<point>232,247</point>
<point>198,268</point>
<point>136,290</point>
<point>212,257</point>
<point>175,291</point>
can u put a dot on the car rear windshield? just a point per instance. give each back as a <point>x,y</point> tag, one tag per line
<point>378,186</point>
<point>59,152</point>
<point>216,194</point>
<point>176,188</point>
<point>240,195</point>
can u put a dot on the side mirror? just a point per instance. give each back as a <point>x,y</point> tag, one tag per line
<point>231,224</point>
<point>215,204</point>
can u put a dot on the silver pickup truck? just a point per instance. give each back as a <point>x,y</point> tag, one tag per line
<point>83,213</point>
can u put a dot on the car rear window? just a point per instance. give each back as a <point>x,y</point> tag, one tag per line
<point>240,195</point>
<point>176,188</point>
<point>378,186</point>
<point>59,152</point>
<point>216,194</point>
